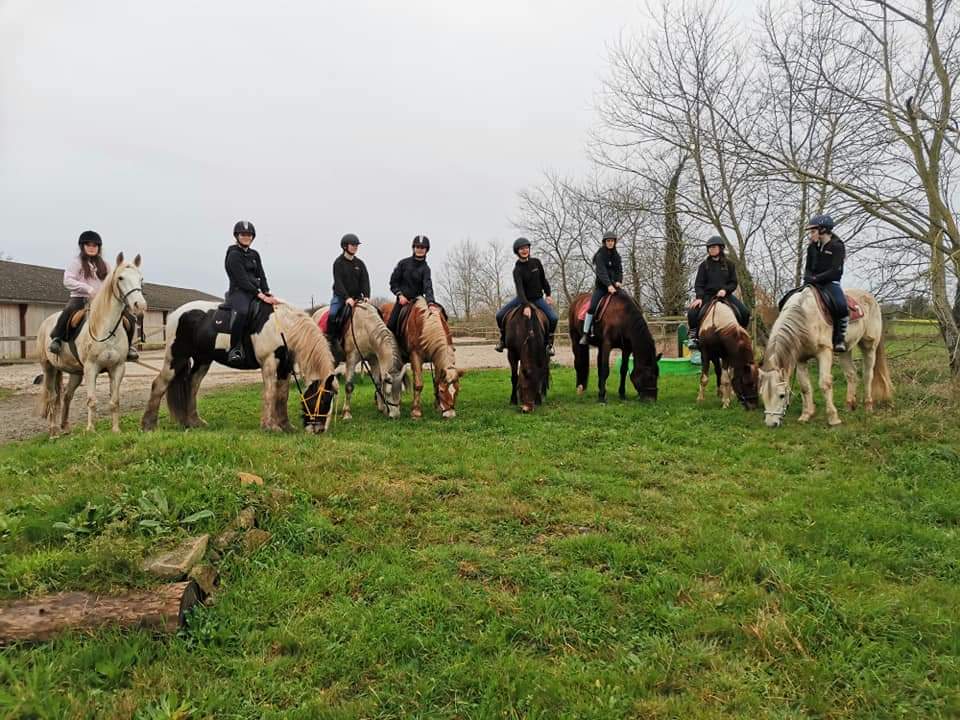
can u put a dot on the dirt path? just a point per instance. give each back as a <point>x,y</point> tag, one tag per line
<point>19,397</point>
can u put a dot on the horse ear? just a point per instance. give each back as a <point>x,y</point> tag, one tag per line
<point>659,355</point>
<point>119,258</point>
<point>136,260</point>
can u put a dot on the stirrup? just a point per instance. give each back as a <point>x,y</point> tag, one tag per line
<point>234,356</point>
<point>132,353</point>
<point>584,339</point>
<point>550,351</point>
<point>499,346</point>
<point>55,346</point>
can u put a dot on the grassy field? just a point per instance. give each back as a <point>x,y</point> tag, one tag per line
<point>661,561</point>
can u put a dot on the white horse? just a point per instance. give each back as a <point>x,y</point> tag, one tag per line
<point>101,346</point>
<point>366,337</point>
<point>801,333</point>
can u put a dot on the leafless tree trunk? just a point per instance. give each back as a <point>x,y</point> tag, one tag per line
<point>674,267</point>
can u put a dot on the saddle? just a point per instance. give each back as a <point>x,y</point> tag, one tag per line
<point>585,305</point>
<point>224,318</point>
<point>704,309</point>
<point>78,318</point>
<point>826,304</point>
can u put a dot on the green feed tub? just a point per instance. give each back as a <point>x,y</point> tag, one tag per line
<point>674,366</point>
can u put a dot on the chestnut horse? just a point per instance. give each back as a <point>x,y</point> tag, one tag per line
<point>726,345</point>
<point>527,353</point>
<point>619,323</point>
<point>424,336</point>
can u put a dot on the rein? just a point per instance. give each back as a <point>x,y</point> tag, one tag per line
<point>314,414</point>
<point>366,366</point>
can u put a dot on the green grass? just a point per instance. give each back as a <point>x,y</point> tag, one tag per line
<point>631,560</point>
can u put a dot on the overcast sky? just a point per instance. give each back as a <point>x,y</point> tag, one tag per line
<point>161,124</point>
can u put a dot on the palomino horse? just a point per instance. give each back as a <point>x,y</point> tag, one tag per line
<point>425,337</point>
<point>366,337</point>
<point>279,339</point>
<point>101,346</point>
<point>802,332</point>
<point>725,344</point>
<point>527,354</point>
<point>619,323</point>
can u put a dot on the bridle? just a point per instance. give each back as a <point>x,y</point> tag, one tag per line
<point>123,304</point>
<point>780,414</point>
<point>313,415</point>
<point>366,366</point>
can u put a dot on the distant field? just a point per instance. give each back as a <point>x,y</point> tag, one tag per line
<point>633,560</point>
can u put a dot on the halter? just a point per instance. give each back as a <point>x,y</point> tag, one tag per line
<point>123,303</point>
<point>780,414</point>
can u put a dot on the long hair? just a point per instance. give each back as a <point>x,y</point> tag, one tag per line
<point>90,266</point>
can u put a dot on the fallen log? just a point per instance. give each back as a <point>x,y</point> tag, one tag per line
<point>160,609</point>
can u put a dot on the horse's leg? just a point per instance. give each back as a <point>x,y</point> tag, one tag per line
<point>850,372</point>
<point>603,370</point>
<point>825,361</point>
<point>282,398</point>
<point>269,371</point>
<point>349,369</point>
<point>157,390</point>
<point>90,372</point>
<point>197,374</point>
<point>514,360</point>
<point>416,364</point>
<point>581,364</point>
<point>73,382</point>
<point>377,377</point>
<point>726,387</point>
<point>116,377</point>
<point>718,371</point>
<point>704,379</point>
<point>52,394</point>
<point>806,392</point>
<point>869,350</point>
<point>624,367</point>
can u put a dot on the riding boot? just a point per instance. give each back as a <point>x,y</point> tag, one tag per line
<point>693,340</point>
<point>587,322</point>
<point>235,356</point>
<point>501,343</point>
<point>839,333</point>
<point>550,351</point>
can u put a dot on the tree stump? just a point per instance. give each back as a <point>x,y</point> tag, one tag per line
<point>161,609</point>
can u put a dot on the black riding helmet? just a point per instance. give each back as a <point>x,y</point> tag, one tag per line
<point>421,241</point>
<point>349,239</point>
<point>89,236</point>
<point>520,242</point>
<point>244,227</point>
<point>609,235</point>
<point>820,222</point>
<point>716,240</point>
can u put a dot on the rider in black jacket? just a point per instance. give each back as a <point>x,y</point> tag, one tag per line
<point>533,287</point>
<point>825,256</point>
<point>716,277</point>
<point>411,279</point>
<point>351,282</point>
<point>609,273</point>
<point>247,281</point>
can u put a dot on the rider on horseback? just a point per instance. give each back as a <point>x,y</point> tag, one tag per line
<point>716,278</point>
<point>411,279</point>
<point>83,278</point>
<point>351,284</point>
<point>532,287</point>
<point>609,273</point>
<point>824,268</point>
<point>247,281</point>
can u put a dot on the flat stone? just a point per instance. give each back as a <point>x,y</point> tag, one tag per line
<point>249,479</point>
<point>246,519</point>
<point>206,576</point>
<point>255,539</point>
<point>225,539</point>
<point>278,497</point>
<point>176,563</point>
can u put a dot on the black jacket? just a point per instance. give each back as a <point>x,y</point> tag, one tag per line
<point>714,276</point>
<point>608,268</point>
<point>531,280</point>
<point>411,278</point>
<point>350,278</point>
<point>245,271</point>
<point>825,263</point>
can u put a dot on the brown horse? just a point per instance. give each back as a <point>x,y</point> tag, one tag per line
<point>726,345</point>
<point>619,323</point>
<point>527,354</point>
<point>424,336</point>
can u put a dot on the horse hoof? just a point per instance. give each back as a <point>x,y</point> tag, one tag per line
<point>602,400</point>
<point>834,422</point>
<point>868,407</point>
<point>622,396</point>
<point>526,409</point>
<point>852,405</point>
<point>804,418</point>
<point>579,389</point>
<point>347,416</point>
<point>416,415</point>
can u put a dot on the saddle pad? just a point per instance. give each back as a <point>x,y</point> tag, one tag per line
<point>856,312</point>
<point>324,320</point>
<point>77,318</point>
<point>585,305</point>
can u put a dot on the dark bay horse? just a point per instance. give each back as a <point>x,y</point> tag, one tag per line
<point>727,346</point>
<point>424,336</point>
<point>619,323</point>
<point>526,342</point>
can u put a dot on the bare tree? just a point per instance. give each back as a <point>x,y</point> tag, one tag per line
<point>460,279</point>
<point>494,284</point>
<point>675,271</point>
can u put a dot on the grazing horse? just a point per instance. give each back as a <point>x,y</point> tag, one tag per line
<point>197,336</point>
<point>619,323</point>
<point>101,345</point>
<point>802,332</point>
<point>526,339</point>
<point>725,344</point>
<point>366,337</point>
<point>425,337</point>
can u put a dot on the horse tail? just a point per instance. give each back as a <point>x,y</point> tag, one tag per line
<point>880,384</point>
<point>178,391</point>
<point>52,390</point>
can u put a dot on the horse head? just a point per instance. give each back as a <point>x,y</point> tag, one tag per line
<point>775,395</point>
<point>128,282</point>
<point>645,377</point>
<point>446,387</point>
<point>391,386</point>
<point>317,404</point>
<point>745,382</point>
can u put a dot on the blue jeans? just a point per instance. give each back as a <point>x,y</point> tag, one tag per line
<point>595,299</point>
<point>336,305</point>
<point>540,302</point>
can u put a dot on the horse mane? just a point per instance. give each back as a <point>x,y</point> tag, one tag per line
<point>434,333</point>
<point>100,303</point>
<point>637,321</point>
<point>786,335</point>
<point>380,333</point>
<point>306,340</point>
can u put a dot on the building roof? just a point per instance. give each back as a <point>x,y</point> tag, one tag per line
<point>22,283</point>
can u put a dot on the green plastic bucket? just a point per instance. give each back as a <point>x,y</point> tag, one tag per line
<point>673,366</point>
